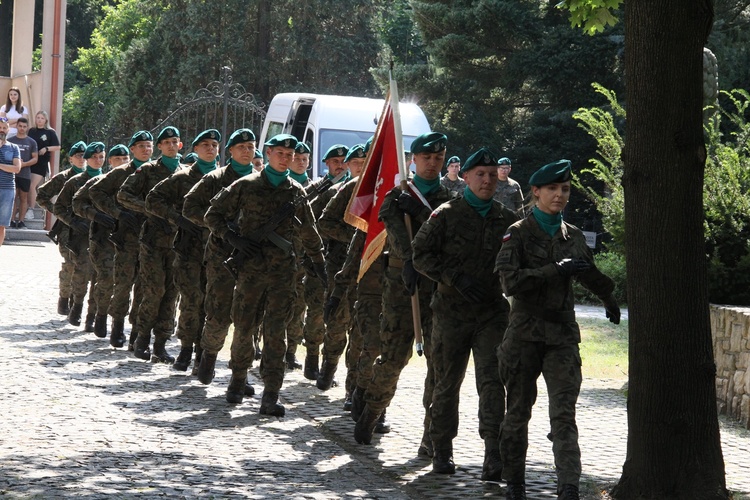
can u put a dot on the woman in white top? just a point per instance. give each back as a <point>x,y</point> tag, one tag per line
<point>13,109</point>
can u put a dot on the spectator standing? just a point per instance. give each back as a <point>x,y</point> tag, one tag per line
<point>13,109</point>
<point>28,149</point>
<point>46,142</point>
<point>10,163</point>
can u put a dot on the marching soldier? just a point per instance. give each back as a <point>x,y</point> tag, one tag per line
<point>451,180</point>
<point>508,191</point>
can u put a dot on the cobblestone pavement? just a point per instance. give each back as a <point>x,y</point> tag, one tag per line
<point>83,419</point>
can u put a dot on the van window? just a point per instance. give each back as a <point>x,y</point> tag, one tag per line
<point>274,128</point>
<point>348,138</point>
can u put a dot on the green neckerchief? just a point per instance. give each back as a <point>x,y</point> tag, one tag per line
<point>549,223</point>
<point>274,177</point>
<point>301,178</point>
<point>76,169</point>
<point>426,187</point>
<point>205,166</point>
<point>241,169</point>
<point>170,163</point>
<point>138,163</point>
<point>481,206</point>
<point>93,172</point>
<point>343,179</point>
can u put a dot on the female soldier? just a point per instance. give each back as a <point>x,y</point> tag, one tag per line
<point>540,257</point>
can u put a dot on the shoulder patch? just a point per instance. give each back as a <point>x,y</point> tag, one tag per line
<point>506,236</point>
<point>137,170</point>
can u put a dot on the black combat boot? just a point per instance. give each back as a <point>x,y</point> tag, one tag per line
<point>74,316</point>
<point>269,405</point>
<point>382,427</point>
<point>236,389</point>
<point>100,326</point>
<point>492,470</point>
<point>140,346</point>
<point>442,460</point>
<point>117,337</point>
<point>291,360</point>
<point>183,359</point>
<point>325,377</point>
<point>197,362</point>
<point>311,367</point>
<point>568,492</point>
<point>366,425</point>
<point>348,402</point>
<point>358,402</point>
<point>131,341</point>
<point>425,447</point>
<point>515,491</point>
<point>63,306</point>
<point>89,324</point>
<point>249,389</point>
<point>160,354</point>
<point>206,368</point>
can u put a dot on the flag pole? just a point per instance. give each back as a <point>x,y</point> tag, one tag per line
<point>415,310</point>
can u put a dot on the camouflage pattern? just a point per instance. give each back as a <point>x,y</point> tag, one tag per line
<point>457,240</point>
<point>509,193</point>
<point>295,328</point>
<point>455,187</point>
<point>534,345</point>
<point>266,283</point>
<point>103,194</point>
<point>219,283</point>
<point>156,310</point>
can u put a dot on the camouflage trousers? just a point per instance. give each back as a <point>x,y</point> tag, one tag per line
<point>338,328</point>
<point>102,259</point>
<point>66,269</point>
<point>461,329</point>
<point>266,298</point>
<point>190,280</point>
<point>218,303</point>
<point>159,297</point>
<point>521,363</point>
<point>364,340</point>
<point>315,328</point>
<point>83,275</point>
<point>126,275</point>
<point>295,329</point>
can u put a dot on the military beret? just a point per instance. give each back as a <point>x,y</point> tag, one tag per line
<point>141,135</point>
<point>356,151</point>
<point>258,154</point>
<point>504,161</point>
<point>368,144</point>
<point>93,148</point>
<point>483,157</point>
<point>434,142</point>
<point>239,136</point>
<point>78,147</point>
<point>190,158</point>
<point>302,148</point>
<point>282,140</point>
<point>206,135</point>
<point>453,159</point>
<point>558,171</point>
<point>118,150</point>
<point>335,151</point>
<point>167,133</point>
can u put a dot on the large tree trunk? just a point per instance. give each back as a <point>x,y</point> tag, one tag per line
<point>674,450</point>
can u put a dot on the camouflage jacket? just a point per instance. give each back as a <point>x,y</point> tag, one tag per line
<point>84,207</point>
<point>52,188</point>
<point>371,282</point>
<point>456,187</point>
<point>104,191</point>
<point>336,232</point>
<point>510,195</point>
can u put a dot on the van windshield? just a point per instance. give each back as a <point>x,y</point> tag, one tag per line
<point>329,137</point>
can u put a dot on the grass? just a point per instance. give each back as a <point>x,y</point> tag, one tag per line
<point>604,349</point>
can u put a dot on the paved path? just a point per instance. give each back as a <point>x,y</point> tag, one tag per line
<point>83,419</point>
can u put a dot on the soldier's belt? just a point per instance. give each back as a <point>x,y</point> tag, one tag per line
<point>543,313</point>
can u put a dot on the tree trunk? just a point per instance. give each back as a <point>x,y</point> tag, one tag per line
<point>674,450</point>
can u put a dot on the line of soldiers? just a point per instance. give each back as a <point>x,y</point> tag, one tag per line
<point>266,249</point>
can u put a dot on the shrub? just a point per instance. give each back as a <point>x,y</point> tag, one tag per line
<point>613,265</point>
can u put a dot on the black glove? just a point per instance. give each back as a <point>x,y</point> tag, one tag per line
<point>320,272</point>
<point>332,304</point>
<point>410,276</point>
<point>187,226</point>
<point>79,225</point>
<point>248,246</point>
<point>410,205</point>
<point>612,309</point>
<point>104,220</point>
<point>129,220</point>
<point>572,267</point>
<point>468,287</point>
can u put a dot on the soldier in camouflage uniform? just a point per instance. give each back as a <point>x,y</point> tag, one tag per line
<point>451,180</point>
<point>266,272</point>
<point>125,270</point>
<point>540,258</point>
<point>219,282</point>
<point>101,250</point>
<point>45,194</point>
<point>157,308</point>
<point>165,200</point>
<point>258,160</point>
<point>457,247</point>
<point>424,195</point>
<point>508,191</point>
<point>78,243</point>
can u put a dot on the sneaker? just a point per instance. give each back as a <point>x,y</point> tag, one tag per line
<point>13,224</point>
<point>20,225</point>
<point>29,214</point>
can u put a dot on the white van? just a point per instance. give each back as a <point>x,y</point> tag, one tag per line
<point>324,120</point>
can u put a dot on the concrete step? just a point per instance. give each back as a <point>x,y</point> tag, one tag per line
<point>34,230</point>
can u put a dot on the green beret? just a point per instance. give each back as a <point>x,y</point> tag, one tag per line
<point>141,135</point>
<point>558,171</point>
<point>302,148</point>
<point>368,144</point>
<point>453,159</point>
<point>167,133</point>
<point>206,135</point>
<point>356,151</point>
<point>258,154</point>
<point>335,151</point>
<point>190,158</point>
<point>239,136</point>
<point>283,140</point>
<point>482,158</point>
<point>118,150</point>
<point>434,142</point>
<point>78,147</point>
<point>504,161</point>
<point>93,148</point>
